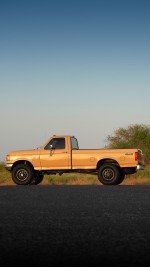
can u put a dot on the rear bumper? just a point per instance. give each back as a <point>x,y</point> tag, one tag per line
<point>140,167</point>
<point>8,166</point>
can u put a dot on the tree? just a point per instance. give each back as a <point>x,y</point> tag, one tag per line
<point>134,136</point>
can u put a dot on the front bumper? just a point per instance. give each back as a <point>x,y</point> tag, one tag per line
<point>8,166</point>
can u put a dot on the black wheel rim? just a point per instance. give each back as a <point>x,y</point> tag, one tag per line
<point>22,175</point>
<point>108,174</point>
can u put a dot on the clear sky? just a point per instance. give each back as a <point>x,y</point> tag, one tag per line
<point>77,67</point>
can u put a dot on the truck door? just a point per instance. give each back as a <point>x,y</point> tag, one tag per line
<point>55,155</point>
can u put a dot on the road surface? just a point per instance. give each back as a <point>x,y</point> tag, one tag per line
<point>75,225</point>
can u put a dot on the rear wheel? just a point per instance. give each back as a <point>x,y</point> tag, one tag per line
<point>121,178</point>
<point>22,174</point>
<point>109,174</point>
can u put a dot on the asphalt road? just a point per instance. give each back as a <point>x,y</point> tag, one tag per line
<point>74,225</point>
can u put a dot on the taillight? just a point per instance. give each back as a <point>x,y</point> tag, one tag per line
<point>136,155</point>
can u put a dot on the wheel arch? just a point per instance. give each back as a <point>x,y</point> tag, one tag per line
<point>107,160</point>
<point>25,162</point>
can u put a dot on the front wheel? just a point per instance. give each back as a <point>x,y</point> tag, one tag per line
<point>109,174</point>
<point>22,174</point>
<point>38,178</point>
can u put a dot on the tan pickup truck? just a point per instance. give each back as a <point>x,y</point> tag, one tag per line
<point>61,154</point>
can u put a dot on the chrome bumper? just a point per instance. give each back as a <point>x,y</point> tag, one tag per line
<point>8,166</point>
<point>140,167</point>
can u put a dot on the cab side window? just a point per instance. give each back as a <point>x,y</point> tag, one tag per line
<point>56,143</point>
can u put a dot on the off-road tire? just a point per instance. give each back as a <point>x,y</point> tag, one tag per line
<point>121,178</point>
<point>109,174</point>
<point>22,174</point>
<point>38,178</point>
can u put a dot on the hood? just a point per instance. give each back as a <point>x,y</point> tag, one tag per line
<point>23,152</point>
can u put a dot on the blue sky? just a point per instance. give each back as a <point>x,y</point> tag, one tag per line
<point>72,67</point>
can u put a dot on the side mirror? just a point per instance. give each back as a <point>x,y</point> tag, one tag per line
<point>51,147</point>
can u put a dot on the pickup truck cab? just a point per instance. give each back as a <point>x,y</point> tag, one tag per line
<point>61,154</point>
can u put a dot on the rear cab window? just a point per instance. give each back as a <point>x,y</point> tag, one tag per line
<point>74,143</point>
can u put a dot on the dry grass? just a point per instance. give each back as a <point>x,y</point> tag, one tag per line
<point>139,178</point>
